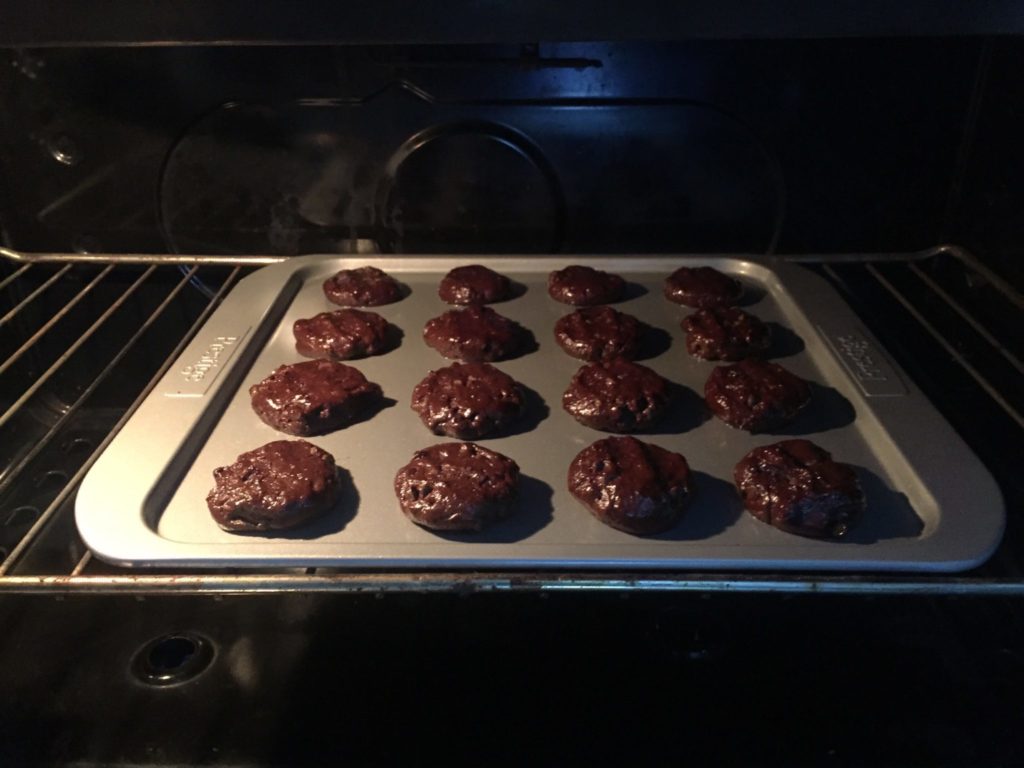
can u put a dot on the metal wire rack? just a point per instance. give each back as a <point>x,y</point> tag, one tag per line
<point>76,330</point>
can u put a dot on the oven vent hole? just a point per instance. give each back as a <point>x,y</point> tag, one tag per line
<point>78,446</point>
<point>172,659</point>
<point>22,516</point>
<point>52,480</point>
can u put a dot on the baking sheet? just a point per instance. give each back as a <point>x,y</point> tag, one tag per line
<point>931,504</point>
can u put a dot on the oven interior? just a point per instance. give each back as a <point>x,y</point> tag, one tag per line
<point>139,184</point>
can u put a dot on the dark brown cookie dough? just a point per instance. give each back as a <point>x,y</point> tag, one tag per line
<point>474,284</point>
<point>457,487</point>
<point>797,487</point>
<point>702,287</point>
<point>585,286</point>
<point>475,334</point>
<point>344,334</point>
<point>599,333</point>
<point>630,485</point>
<point>362,287</point>
<point>314,397</point>
<point>616,396</point>
<point>468,400</point>
<point>725,333</point>
<point>755,395</point>
<point>276,486</point>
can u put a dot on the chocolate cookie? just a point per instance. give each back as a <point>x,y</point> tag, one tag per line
<point>468,400</point>
<point>725,333</point>
<point>276,486</point>
<point>314,397</point>
<point>475,334</point>
<point>755,395</point>
<point>702,287</point>
<point>599,333</point>
<point>633,486</point>
<point>585,286</point>
<point>362,287</point>
<point>616,396</point>
<point>343,334</point>
<point>457,487</point>
<point>796,486</point>
<point>474,284</point>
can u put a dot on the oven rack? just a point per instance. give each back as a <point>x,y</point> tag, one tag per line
<point>954,325</point>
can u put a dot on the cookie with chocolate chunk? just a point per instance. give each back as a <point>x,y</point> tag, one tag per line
<point>585,286</point>
<point>362,287</point>
<point>702,287</point>
<point>344,334</point>
<point>314,397</point>
<point>617,396</point>
<point>631,485</point>
<point>474,284</point>
<point>795,486</point>
<point>599,333</point>
<point>468,401</point>
<point>475,334</point>
<point>755,395</point>
<point>725,333</point>
<point>274,487</point>
<point>457,487</point>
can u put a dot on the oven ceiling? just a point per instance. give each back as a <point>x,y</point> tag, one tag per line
<point>152,22</point>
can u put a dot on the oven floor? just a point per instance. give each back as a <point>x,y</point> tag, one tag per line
<point>520,679</point>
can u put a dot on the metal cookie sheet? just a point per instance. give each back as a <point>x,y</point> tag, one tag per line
<point>932,506</point>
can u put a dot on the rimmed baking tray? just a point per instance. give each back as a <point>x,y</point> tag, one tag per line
<point>932,506</point>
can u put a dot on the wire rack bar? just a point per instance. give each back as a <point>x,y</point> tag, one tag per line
<point>43,441</point>
<point>75,346</point>
<point>962,361</point>
<point>32,296</point>
<point>72,484</point>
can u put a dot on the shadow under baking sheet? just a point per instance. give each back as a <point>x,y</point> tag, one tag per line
<point>535,511</point>
<point>715,507</point>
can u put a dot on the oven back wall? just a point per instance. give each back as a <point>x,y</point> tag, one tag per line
<point>799,146</point>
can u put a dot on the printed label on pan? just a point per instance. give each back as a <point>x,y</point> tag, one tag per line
<point>195,378</point>
<point>865,362</point>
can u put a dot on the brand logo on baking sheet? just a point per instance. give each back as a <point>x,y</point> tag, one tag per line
<point>865,363</point>
<point>858,352</point>
<point>210,359</point>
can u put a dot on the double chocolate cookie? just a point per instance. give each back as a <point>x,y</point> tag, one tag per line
<point>475,334</point>
<point>616,396</point>
<point>585,286</point>
<point>630,485</point>
<point>599,333</point>
<point>702,287</point>
<point>725,333</point>
<point>468,400</point>
<point>457,487</point>
<point>344,334</point>
<point>755,395</point>
<point>314,397</point>
<point>274,487</point>
<point>474,284</point>
<point>362,287</point>
<point>797,487</point>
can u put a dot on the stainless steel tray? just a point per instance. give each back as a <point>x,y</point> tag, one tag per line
<point>932,506</point>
